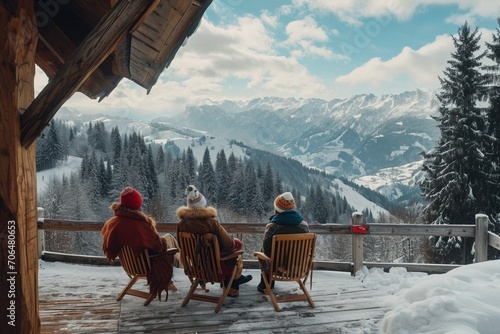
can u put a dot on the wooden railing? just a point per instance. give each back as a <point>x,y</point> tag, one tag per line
<point>479,231</point>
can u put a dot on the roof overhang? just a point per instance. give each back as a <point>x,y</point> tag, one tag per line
<point>88,46</point>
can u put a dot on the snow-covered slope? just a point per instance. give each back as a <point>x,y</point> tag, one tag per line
<point>63,169</point>
<point>391,182</point>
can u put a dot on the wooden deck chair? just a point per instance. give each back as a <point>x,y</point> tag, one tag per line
<point>200,256</point>
<point>137,268</point>
<point>291,260</point>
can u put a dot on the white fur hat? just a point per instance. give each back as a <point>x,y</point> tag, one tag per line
<point>195,199</point>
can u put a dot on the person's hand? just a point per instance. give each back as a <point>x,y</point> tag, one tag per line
<point>237,244</point>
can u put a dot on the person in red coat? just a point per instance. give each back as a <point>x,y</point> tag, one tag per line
<point>130,226</point>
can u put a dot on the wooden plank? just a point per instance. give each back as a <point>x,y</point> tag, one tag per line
<point>429,268</point>
<point>494,240</point>
<point>357,244</point>
<point>346,303</point>
<point>61,48</point>
<point>98,45</point>
<point>481,242</point>
<point>174,41</point>
<point>18,237</point>
<point>422,230</point>
<point>256,228</point>
<point>251,228</point>
<point>158,27</point>
<point>79,316</point>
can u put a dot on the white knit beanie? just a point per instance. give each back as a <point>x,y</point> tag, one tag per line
<point>195,199</point>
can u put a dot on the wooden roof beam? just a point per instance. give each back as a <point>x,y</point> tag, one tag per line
<point>96,47</point>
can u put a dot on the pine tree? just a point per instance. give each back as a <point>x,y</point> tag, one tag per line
<point>54,150</point>
<point>253,199</point>
<point>151,178</point>
<point>320,206</point>
<point>207,178</point>
<point>42,160</point>
<point>221,179</point>
<point>268,188</point>
<point>116,145</point>
<point>160,161</point>
<point>278,186</point>
<point>456,168</point>
<point>236,199</point>
<point>493,118</point>
<point>190,166</point>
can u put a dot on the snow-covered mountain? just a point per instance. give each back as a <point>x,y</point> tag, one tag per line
<point>349,137</point>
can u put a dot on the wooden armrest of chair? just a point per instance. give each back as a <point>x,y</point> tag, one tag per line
<point>232,255</point>
<point>172,250</point>
<point>261,256</point>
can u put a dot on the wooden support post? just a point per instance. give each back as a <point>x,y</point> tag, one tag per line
<point>357,244</point>
<point>481,243</point>
<point>41,234</point>
<point>19,311</point>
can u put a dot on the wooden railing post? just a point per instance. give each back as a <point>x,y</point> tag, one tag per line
<point>357,244</point>
<point>481,243</point>
<point>41,234</point>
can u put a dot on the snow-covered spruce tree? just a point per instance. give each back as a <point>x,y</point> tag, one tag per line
<point>268,188</point>
<point>190,166</point>
<point>221,179</point>
<point>116,145</point>
<point>253,204</point>
<point>236,198</point>
<point>493,118</point>
<point>456,170</point>
<point>54,150</point>
<point>207,183</point>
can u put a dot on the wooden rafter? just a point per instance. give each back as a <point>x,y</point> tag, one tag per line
<point>96,47</point>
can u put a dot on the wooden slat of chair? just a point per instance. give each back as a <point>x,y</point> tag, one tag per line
<point>291,259</point>
<point>136,268</point>
<point>202,264</point>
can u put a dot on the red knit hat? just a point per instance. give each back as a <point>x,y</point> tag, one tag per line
<point>284,202</point>
<point>131,198</point>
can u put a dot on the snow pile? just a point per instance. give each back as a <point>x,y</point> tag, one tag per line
<point>464,300</point>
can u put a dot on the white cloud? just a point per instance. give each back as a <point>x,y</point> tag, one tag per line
<point>269,19</point>
<point>410,69</point>
<point>421,67</point>
<point>234,61</point>
<point>303,34</point>
<point>353,11</point>
<point>305,29</point>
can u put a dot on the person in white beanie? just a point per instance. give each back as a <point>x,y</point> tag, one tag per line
<point>285,220</point>
<point>197,217</point>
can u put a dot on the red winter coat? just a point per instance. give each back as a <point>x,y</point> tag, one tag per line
<point>137,230</point>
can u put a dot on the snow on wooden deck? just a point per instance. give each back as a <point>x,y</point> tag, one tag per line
<point>82,299</point>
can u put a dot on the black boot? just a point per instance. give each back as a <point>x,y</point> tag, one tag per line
<point>262,286</point>
<point>243,279</point>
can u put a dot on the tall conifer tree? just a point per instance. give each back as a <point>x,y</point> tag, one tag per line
<point>493,117</point>
<point>456,168</point>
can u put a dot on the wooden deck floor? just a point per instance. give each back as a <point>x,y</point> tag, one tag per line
<point>82,299</point>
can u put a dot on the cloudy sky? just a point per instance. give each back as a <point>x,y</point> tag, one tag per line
<point>327,49</point>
